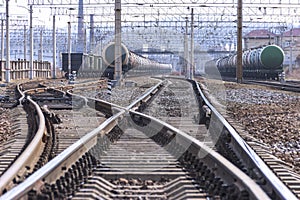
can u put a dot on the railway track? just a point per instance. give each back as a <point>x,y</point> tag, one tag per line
<point>23,151</point>
<point>37,138</point>
<point>287,86</point>
<point>177,105</point>
<point>135,167</point>
<point>187,170</point>
<point>209,176</point>
<point>217,138</point>
<point>113,160</point>
<point>292,86</point>
<point>51,133</point>
<point>13,145</point>
<point>283,171</point>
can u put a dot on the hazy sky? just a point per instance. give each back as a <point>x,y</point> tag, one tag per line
<point>41,16</point>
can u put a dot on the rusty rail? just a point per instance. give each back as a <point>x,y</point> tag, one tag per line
<point>29,156</point>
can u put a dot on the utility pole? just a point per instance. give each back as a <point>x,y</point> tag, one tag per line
<point>192,63</point>
<point>2,48</point>
<point>2,39</point>
<point>69,49</point>
<point>80,31</point>
<point>186,51</point>
<point>239,67</point>
<point>291,52</point>
<point>25,43</point>
<point>7,68</point>
<point>31,44</point>
<point>41,46</point>
<point>92,39</point>
<point>118,52</point>
<point>54,49</point>
<point>84,40</point>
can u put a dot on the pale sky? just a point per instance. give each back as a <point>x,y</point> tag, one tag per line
<point>41,16</point>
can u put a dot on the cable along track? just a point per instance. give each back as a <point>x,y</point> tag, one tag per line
<point>189,168</point>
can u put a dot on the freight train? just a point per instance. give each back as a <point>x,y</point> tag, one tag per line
<point>85,65</point>
<point>258,63</point>
<point>132,61</point>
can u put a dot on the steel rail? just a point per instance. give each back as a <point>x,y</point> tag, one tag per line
<point>109,106</point>
<point>278,186</point>
<point>63,159</point>
<point>41,90</point>
<point>34,148</point>
<point>227,170</point>
<point>144,98</point>
<point>27,157</point>
<point>281,86</point>
<point>68,92</point>
<point>222,167</point>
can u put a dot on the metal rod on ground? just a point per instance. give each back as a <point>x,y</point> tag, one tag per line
<point>118,53</point>
<point>239,68</point>
<point>7,67</point>
<point>54,49</point>
<point>31,44</point>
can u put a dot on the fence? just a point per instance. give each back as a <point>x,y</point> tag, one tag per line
<point>20,69</point>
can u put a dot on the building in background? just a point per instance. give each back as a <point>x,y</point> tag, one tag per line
<point>258,38</point>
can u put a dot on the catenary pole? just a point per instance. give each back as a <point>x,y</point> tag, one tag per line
<point>239,68</point>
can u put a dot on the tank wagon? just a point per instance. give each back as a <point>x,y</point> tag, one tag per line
<point>88,65</point>
<point>131,61</point>
<point>258,63</point>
